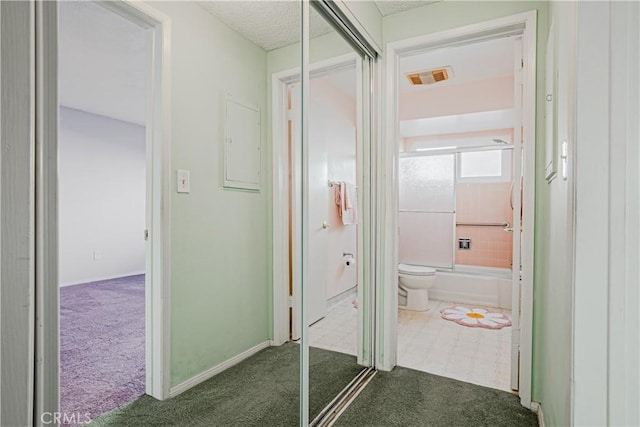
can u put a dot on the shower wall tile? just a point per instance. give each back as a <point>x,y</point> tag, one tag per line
<point>484,203</point>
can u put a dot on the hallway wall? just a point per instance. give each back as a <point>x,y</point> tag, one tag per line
<point>553,288</point>
<point>219,270</point>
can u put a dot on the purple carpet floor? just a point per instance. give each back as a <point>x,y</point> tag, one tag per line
<point>101,345</point>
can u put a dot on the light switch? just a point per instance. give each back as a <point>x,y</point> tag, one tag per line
<point>183,185</point>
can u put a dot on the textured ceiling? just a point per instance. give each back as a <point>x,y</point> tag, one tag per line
<point>269,24</point>
<point>274,24</point>
<point>388,7</point>
<point>101,62</point>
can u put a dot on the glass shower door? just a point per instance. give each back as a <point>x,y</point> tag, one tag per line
<point>427,210</point>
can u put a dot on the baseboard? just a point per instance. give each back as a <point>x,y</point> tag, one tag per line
<point>341,297</point>
<point>101,279</point>
<point>211,372</point>
<point>537,408</point>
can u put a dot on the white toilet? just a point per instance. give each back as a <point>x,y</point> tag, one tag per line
<point>413,284</point>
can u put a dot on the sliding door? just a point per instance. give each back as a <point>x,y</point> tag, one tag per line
<point>427,210</point>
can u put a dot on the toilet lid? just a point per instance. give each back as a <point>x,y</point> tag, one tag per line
<point>417,270</point>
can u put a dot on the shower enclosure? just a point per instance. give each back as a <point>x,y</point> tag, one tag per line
<point>427,200</point>
<point>455,208</point>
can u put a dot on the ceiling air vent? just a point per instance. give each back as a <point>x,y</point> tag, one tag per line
<point>430,76</point>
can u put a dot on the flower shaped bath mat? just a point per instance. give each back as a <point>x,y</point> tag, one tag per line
<point>475,317</point>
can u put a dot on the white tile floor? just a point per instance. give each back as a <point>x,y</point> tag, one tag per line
<point>337,331</point>
<point>428,343</point>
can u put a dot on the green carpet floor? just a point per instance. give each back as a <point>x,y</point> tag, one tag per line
<point>263,391</point>
<point>408,398</point>
<point>260,391</point>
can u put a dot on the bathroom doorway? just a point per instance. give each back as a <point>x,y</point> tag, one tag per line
<point>334,294</point>
<point>464,125</point>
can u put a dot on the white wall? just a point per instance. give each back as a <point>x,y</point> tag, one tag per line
<point>102,197</point>
<point>606,343</point>
<point>332,124</point>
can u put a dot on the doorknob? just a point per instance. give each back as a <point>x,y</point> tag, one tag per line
<point>325,224</point>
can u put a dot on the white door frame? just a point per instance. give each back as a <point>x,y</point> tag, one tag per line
<point>158,261</point>
<point>525,25</point>
<point>280,158</point>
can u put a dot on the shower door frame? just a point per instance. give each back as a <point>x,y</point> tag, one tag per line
<point>454,154</point>
<point>524,25</point>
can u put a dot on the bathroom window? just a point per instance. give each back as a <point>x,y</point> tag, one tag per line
<point>484,166</point>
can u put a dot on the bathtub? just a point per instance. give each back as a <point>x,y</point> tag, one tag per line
<point>485,286</point>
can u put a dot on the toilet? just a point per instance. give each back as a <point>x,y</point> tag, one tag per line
<point>413,284</point>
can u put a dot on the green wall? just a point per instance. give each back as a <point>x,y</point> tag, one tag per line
<point>219,268</point>
<point>221,240</point>
<point>553,294</point>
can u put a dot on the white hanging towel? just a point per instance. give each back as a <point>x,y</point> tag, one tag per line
<point>347,201</point>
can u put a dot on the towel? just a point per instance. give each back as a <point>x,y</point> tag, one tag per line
<point>347,201</point>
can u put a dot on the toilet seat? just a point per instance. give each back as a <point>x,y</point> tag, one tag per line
<point>416,270</point>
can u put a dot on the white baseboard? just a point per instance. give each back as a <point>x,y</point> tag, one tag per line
<point>537,408</point>
<point>341,297</point>
<point>211,372</point>
<point>101,278</point>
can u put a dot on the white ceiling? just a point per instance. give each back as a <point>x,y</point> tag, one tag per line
<point>102,62</point>
<point>274,24</point>
<point>471,62</point>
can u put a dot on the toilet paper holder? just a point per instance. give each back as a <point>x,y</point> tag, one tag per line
<point>348,258</point>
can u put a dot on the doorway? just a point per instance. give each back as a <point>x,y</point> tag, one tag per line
<point>457,175</point>
<point>334,136</point>
<point>102,208</point>
<point>332,290</point>
<point>510,143</point>
<point>152,194</point>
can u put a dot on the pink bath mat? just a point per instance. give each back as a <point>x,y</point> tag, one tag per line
<point>475,317</point>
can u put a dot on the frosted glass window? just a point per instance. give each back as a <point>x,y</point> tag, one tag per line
<point>426,183</point>
<point>426,239</point>
<point>479,164</point>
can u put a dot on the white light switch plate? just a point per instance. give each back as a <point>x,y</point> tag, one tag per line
<point>183,184</point>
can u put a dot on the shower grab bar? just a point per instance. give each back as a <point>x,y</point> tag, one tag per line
<point>485,224</point>
<point>419,211</point>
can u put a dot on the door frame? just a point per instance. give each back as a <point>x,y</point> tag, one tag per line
<point>158,252</point>
<point>280,83</point>
<point>523,24</point>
